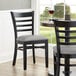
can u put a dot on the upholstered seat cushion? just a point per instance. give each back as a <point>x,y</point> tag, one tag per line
<point>66,49</point>
<point>29,38</point>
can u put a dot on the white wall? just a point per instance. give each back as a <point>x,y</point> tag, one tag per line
<point>14,4</point>
<point>7,34</point>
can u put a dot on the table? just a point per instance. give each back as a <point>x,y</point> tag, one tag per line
<point>47,23</point>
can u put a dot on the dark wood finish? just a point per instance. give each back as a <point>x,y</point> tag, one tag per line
<point>67,68</point>
<point>66,28</point>
<point>47,23</point>
<point>24,22</point>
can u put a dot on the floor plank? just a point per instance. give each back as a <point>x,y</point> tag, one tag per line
<point>38,69</point>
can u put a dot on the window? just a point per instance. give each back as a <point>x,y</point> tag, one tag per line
<point>62,9</point>
<point>72,6</point>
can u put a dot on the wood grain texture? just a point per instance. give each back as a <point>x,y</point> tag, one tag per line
<point>38,69</point>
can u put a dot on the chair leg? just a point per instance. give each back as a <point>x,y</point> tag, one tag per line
<point>24,57</point>
<point>67,67</point>
<point>33,54</point>
<point>58,67</point>
<point>46,54</point>
<point>15,55</point>
<point>55,65</point>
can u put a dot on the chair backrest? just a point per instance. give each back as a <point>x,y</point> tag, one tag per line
<point>23,22</point>
<point>65,31</point>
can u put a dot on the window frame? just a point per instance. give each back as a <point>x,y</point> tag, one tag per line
<point>35,6</point>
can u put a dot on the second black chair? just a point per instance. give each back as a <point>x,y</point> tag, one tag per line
<point>24,22</point>
<point>65,31</point>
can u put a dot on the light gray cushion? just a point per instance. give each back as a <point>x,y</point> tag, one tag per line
<point>26,38</point>
<point>66,49</point>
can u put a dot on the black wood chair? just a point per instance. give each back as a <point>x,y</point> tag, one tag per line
<point>65,31</point>
<point>24,22</point>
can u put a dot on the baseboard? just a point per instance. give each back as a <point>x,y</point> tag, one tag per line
<point>9,57</point>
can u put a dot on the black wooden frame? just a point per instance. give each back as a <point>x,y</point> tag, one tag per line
<point>67,24</point>
<point>25,47</point>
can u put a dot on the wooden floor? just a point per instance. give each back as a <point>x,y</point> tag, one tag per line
<point>38,69</point>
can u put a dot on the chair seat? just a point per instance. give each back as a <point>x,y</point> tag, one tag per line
<point>66,49</point>
<point>30,38</point>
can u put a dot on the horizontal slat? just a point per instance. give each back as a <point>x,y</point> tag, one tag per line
<point>24,30</point>
<point>71,31</point>
<point>68,65</point>
<point>63,23</point>
<point>30,47</point>
<point>23,20</point>
<point>24,25</point>
<point>67,43</point>
<point>23,14</point>
<point>73,37</point>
